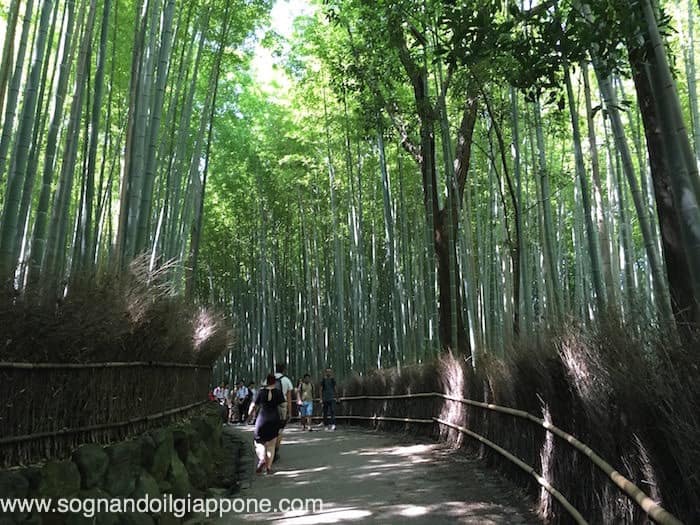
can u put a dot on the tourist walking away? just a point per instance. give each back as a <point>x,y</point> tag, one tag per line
<point>243,401</point>
<point>328,398</point>
<point>306,405</point>
<point>285,386</point>
<point>267,423</point>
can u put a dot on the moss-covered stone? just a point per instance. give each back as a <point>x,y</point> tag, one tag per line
<point>213,419</point>
<point>92,462</point>
<point>193,438</point>
<point>95,515</point>
<point>165,487</point>
<point>135,518</point>
<point>59,479</point>
<point>146,485</point>
<point>179,478</point>
<point>165,445</point>
<point>33,476</point>
<point>205,458</point>
<point>179,460</point>
<point>13,485</point>
<point>217,492</point>
<point>182,443</point>
<point>124,468</point>
<point>167,519</point>
<point>161,435</point>
<point>196,471</point>
<point>148,451</point>
<point>32,519</point>
<point>203,429</point>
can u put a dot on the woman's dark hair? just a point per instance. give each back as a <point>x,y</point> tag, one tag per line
<point>271,379</point>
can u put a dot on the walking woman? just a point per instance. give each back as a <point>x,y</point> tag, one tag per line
<point>267,423</point>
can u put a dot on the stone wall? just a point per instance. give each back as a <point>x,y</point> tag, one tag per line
<point>179,459</point>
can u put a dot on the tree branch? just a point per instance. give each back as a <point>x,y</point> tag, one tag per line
<point>464,143</point>
<point>406,142</point>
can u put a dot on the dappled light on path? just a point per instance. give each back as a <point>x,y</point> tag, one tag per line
<point>368,477</point>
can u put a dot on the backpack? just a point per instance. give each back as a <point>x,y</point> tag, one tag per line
<point>282,408</point>
<point>278,385</point>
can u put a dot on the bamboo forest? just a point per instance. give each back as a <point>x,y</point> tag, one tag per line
<point>375,187</point>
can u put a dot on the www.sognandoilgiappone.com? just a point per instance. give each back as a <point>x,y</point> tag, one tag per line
<point>165,504</point>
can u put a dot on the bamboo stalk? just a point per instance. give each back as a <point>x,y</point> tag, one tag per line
<point>653,509</point>
<point>117,364</point>
<point>102,426</point>
<point>575,514</point>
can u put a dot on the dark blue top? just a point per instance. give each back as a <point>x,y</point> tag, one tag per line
<point>328,388</point>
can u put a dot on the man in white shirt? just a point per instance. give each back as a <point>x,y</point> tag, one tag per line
<point>219,392</point>
<point>285,385</point>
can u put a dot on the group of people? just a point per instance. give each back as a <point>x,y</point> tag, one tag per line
<point>270,408</point>
<point>235,401</point>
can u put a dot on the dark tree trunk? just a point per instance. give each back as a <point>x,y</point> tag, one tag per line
<point>438,219</point>
<point>685,309</point>
<point>443,245</point>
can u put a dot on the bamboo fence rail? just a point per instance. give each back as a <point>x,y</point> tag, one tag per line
<point>575,514</point>
<point>103,426</point>
<point>653,509</point>
<point>48,409</point>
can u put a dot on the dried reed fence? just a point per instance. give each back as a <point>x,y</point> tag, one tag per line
<point>48,409</point>
<point>421,403</point>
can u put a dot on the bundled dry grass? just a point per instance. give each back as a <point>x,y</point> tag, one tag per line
<point>130,317</point>
<point>120,316</point>
<point>633,400</point>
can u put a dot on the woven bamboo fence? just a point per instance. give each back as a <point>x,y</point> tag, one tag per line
<point>48,409</point>
<point>372,408</point>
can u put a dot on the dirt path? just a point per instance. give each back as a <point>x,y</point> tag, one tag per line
<point>367,477</point>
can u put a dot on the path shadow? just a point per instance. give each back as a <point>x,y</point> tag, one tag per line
<point>362,476</point>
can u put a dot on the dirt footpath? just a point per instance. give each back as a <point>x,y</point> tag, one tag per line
<point>367,477</point>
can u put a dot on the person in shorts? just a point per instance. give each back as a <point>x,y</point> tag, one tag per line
<point>306,396</point>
